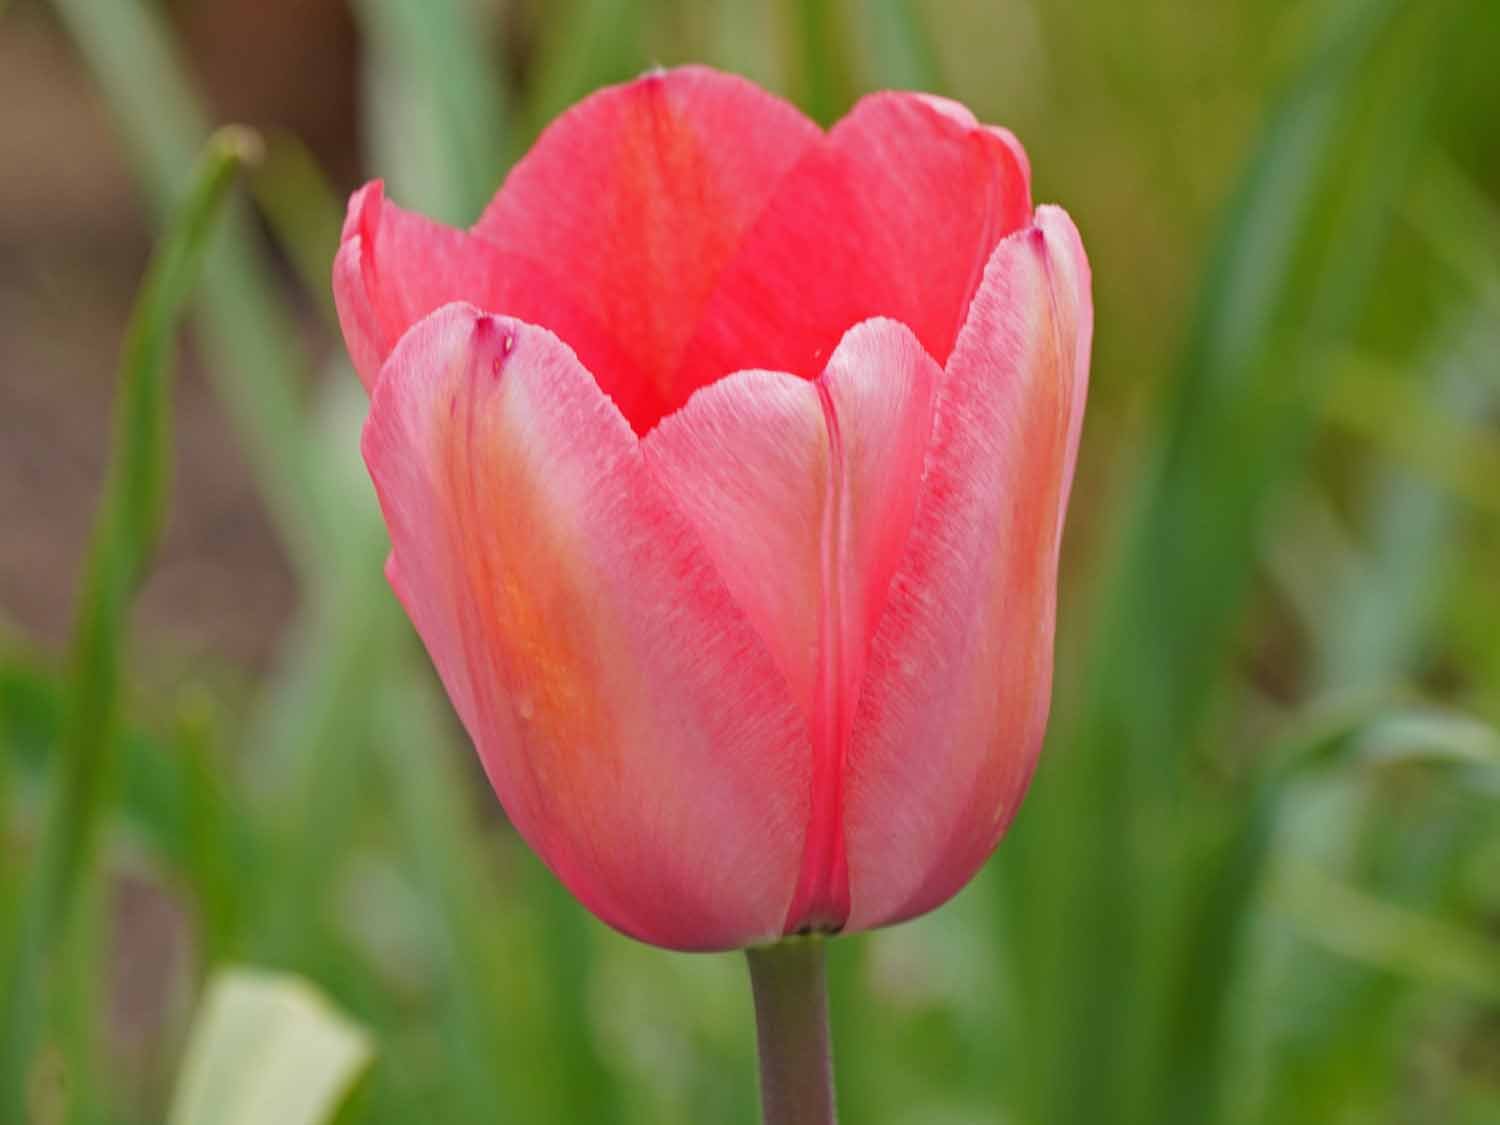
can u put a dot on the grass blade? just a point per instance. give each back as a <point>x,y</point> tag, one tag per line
<point>598,45</point>
<point>304,214</point>
<point>1390,938</point>
<point>256,359</point>
<point>905,55</point>
<point>170,797</point>
<point>128,523</point>
<point>432,58</point>
<point>1373,636</point>
<point>818,51</point>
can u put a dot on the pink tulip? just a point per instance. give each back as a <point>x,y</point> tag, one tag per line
<point>725,464</point>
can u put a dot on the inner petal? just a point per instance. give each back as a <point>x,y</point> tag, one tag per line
<point>634,201</point>
<point>803,493</point>
<point>893,214</point>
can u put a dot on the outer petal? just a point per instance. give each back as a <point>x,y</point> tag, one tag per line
<point>746,461</point>
<point>634,201</point>
<point>394,267</point>
<point>893,214</point>
<point>803,493</point>
<point>952,713</point>
<point>627,714</point>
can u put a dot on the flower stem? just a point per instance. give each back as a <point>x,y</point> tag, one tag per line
<point>791,1023</point>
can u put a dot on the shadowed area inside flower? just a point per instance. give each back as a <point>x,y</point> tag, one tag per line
<point>734,538</point>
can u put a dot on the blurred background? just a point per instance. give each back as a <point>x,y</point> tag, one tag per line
<point>249,865</point>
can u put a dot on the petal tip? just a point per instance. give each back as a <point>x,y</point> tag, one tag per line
<point>497,334</point>
<point>1063,244</point>
<point>1058,224</point>
<point>874,333</point>
<point>1016,148</point>
<point>362,214</point>
<point>953,110</point>
<point>356,315</point>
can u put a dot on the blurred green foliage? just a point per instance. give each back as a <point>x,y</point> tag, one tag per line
<point>1258,877</point>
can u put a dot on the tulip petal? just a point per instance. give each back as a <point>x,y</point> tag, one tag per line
<point>394,267</point>
<point>629,717</point>
<point>746,461</point>
<point>802,493</point>
<point>951,715</point>
<point>636,199</point>
<point>893,214</point>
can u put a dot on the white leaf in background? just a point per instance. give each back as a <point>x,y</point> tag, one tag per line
<point>266,1049</point>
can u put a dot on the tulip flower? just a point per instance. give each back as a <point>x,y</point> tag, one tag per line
<point>725,463</point>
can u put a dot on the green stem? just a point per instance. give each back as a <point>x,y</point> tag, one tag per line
<point>791,1023</point>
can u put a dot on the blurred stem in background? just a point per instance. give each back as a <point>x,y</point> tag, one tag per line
<point>822,82</point>
<point>593,43</point>
<point>52,945</point>
<point>431,86</point>
<point>906,58</point>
